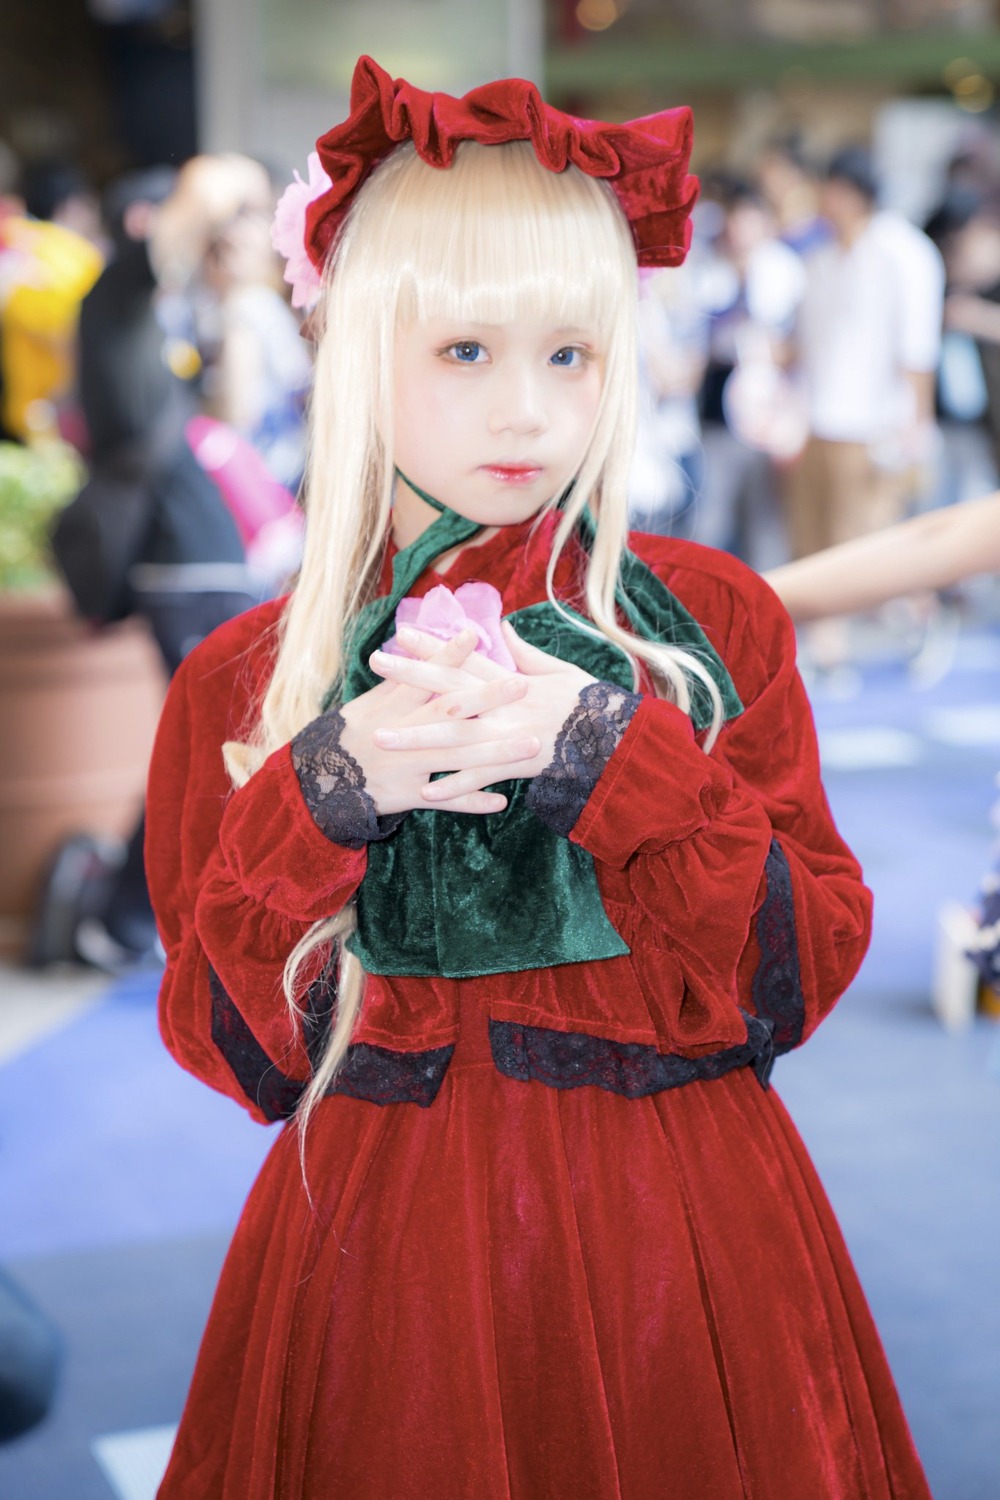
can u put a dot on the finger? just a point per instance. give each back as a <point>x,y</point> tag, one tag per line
<point>480,700</point>
<point>473,802</point>
<point>461,783</point>
<point>428,677</point>
<point>428,648</point>
<point>454,747</point>
<point>452,653</point>
<point>459,649</point>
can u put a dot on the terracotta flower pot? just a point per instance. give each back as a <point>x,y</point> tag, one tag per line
<point>79,707</point>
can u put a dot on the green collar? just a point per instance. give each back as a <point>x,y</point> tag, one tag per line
<point>652,611</point>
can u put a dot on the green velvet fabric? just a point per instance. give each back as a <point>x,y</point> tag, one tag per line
<point>468,896</point>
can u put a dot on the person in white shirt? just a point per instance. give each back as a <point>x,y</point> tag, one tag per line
<point>868,338</point>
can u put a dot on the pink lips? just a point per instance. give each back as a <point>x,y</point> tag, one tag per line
<point>512,473</point>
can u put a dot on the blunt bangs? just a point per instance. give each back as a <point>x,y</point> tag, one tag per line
<point>495,238</point>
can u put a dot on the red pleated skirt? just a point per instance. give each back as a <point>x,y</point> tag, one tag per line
<point>525,1293</point>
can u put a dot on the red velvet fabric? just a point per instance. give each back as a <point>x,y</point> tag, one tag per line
<point>645,161</point>
<point>523,1291</point>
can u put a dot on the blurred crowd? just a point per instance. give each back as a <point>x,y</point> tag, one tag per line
<point>148,326</point>
<point>819,368</point>
<point>815,369</point>
<point>797,372</point>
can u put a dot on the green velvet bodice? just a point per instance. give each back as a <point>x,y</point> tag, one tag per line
<point>462,895</point>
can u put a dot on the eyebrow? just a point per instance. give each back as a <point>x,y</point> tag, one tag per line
<point>564,330</point>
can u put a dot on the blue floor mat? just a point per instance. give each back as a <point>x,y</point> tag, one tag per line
<point>105,1140</point>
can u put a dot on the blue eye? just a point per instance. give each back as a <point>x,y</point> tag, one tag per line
<point>567,359</point>
<point>467,351</point>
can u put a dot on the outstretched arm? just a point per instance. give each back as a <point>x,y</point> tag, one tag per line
<point>931,551</point>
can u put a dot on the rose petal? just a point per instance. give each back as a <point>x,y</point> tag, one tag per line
<point>483,605</point>
<point>443,614</point>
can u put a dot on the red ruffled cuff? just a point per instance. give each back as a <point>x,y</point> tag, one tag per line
<point>276,852</point>
<point>659,787</point>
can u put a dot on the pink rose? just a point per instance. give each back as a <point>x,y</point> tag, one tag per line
<point>443,614</point>
<point>288,232</point>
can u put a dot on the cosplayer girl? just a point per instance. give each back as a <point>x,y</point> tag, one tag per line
<point>509,922</point>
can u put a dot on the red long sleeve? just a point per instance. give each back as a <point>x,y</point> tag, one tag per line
<point>691,833</point>
<point>236,878</point>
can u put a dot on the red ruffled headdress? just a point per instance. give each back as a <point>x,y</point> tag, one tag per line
<point>644,161</point>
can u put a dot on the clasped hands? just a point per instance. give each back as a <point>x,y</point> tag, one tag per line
<point>447,708</point>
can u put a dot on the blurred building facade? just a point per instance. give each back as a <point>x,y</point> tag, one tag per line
<point>126,83</point>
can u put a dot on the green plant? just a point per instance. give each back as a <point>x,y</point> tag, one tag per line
<point>35,483</point>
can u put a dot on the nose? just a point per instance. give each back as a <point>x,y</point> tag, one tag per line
<point>518,405</point>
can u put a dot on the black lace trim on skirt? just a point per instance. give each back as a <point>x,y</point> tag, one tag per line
<point>572,1059</point>
<point>378,1074</point>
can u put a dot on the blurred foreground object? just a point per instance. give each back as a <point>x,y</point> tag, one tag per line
<point>30,1354</point>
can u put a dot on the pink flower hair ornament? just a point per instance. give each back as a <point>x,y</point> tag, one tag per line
<point>288,232</point>
<point>444,614</point>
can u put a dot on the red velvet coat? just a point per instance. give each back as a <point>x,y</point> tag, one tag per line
<point>561,1280</point>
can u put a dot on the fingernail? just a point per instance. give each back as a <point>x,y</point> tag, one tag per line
<point>407,633</point>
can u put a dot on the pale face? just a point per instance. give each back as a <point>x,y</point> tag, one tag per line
<point>492,420</point>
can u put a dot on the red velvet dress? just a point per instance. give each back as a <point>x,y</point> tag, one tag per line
<point>538,1262</point>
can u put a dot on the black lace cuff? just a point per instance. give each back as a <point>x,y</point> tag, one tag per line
<point>333,785</point>
<point>586,742</point>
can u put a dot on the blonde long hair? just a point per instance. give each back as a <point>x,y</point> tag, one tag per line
<point>493,239</point>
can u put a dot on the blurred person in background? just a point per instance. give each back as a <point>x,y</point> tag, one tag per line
<point>668,468</point>
<point>151,533</point>
<point>47,266</point>
<point>972,307</point>
<point>748,285</point>
<point>968,464</point>
<point>262,367</point>
<point>130,392</point>
<point>867,337</point>
<point>56,192</point>
<point>790,186</point>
